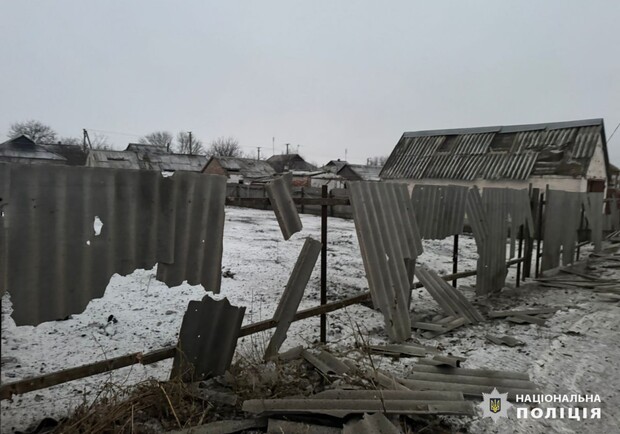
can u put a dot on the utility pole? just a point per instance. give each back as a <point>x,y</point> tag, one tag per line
<point>273,146</point>
<point>190,142</point>
<point>345,154</point>
<point>86,139</point>
<point>258,147</point>
<point>287,145</point>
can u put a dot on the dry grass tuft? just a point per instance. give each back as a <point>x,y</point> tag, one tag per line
<point>151,406</point>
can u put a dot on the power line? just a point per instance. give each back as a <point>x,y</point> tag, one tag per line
<point>612,134</point>
<point>115,132</point>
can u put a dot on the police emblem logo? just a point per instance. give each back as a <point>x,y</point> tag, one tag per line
<point>495,405</point>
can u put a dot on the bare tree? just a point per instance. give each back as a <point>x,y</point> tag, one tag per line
<point>37,131</point>
<point>376,161</point>
<point>225,147</point>
<point>100,141</point>
<point>188,144</point>
<point>70,141</point>
<point>157,138</point>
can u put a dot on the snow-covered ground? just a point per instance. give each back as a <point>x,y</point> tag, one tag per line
<point>149,316</point>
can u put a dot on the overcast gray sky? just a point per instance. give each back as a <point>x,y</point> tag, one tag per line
<point>324,75</point>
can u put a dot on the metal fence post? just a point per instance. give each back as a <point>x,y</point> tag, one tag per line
<point>539,232</point>
<point>520,253</point>
<point>324,262</point>
<point>455,258</point>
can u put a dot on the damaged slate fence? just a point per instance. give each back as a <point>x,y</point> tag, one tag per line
<point>566,216</point>
<point>55,261</point>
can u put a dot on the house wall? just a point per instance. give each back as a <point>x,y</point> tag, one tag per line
<point>349,174</point>
<point>235,178</point>
<point>555,183</point>
<point>597,168</point>
<point>215,168</point>
<point>330,182</point>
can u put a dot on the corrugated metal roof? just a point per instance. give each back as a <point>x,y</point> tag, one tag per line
<point>56,263</point>
<point>113,159</point>
<point>247,167</point>
<point>23,148</point>
<point>207,339</point>
<point>511,152</point>
<point>174,162</point>
<point>389,237</point>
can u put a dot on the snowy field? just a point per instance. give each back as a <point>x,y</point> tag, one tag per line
<point>149,317</point>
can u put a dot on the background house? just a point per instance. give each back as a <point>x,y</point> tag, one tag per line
<point>359,172</point>
<point>330,179</point>
<point>23,150</point>
<point>334,165</point>
<point>290,163</point>
<point>569,156</point>
<point>240,170</point>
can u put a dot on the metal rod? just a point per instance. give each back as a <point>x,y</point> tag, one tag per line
<point>323,264</point>
<point>55,378</point>
<point>520,253</point>
<point>539,233</point>
<point>581,221</point>
<point>455,258</point>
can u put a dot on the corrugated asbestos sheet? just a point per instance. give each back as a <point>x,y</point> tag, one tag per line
<point>491,265</point>
<point>520,213</point>
<point>451,300</point>
<point>371,424</point>
<point>285,312</point>
<point>593,208</point>
<point>562,220</point>
<point>489,216</point>
<point>471,382</point>
<point>360,402</point>
<point>277,426</point>
<point>512,152</point>
<point>281,198</point>
<point>207,340</point>
<point>55,262</point>
<point>440,210</point>
<point>389,238</point>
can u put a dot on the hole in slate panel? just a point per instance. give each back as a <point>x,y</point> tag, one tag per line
<point>88,243</point>
<point>97,226</point>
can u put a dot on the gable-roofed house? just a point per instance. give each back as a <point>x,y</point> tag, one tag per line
<point>334,166</point>
<point>290,163</point>
<point>240,170</point>
<point>569,156</point>
<point>360,172</point>
<point>23,150</point>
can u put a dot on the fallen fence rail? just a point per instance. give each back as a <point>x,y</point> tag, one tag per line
<point>329,201</point>
<point>56,378</point>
